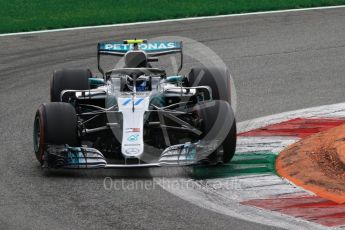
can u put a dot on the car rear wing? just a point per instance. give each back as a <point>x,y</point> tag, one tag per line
<point>152,49</point>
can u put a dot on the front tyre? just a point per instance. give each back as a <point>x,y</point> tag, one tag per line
<point>218,124</point>
<point>55,123</point>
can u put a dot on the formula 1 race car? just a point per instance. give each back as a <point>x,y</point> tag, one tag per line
<point>136,115</point>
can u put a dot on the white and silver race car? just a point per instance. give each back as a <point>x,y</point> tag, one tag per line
<point>136,115</point>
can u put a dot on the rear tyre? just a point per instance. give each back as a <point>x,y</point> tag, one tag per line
<point>220,115</point>
<point>218,79</point>
<point>55,123</point>
<point>68,79</point>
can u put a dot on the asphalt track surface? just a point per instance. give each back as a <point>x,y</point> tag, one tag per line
<point>279,62</point>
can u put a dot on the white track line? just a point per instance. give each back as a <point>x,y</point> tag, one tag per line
<point>325,111</point>
<point>219,201</point>
<point>175,20</point>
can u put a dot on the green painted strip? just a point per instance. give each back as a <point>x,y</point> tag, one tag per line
<point>241,164</point>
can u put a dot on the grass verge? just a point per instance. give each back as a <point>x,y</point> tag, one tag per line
<point>18,15</point>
